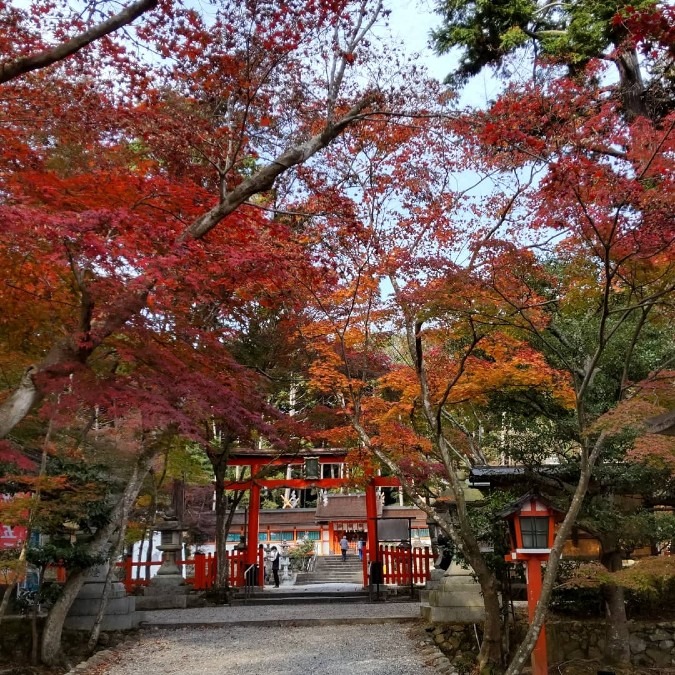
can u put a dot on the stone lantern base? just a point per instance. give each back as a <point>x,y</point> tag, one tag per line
<point>452,597</point>
<point>120,612</point>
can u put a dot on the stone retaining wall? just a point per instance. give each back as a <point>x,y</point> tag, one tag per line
<point>652,645</point>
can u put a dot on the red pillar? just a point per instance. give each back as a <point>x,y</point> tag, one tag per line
<point>200,571</point>
<point>128,574</point>
<point>539,656</point>
<point>371,515</point>
<point>261,567</point>
<point>253,525</point>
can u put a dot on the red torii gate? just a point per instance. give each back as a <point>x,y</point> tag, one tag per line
<point>259,460</point>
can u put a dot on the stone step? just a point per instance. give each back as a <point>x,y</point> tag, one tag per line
<point>327,574</point>
<point>337,559</point>
<point>332,569</point>
<point>290,598</point>
<point>317,582</point>
<point>336,573</point>
<point>338,568</point>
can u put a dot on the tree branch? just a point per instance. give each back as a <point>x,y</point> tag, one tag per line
<point>264,179</point>
<point>25,64</point>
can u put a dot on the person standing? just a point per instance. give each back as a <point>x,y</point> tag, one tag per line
<point>274,558</point>
<point>360,545</point>
<point>344,545</point>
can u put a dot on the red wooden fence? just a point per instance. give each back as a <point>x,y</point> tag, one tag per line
<point>402,566</point>
<point>200,570</point>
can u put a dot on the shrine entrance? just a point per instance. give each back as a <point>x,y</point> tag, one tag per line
<point>348,519</point>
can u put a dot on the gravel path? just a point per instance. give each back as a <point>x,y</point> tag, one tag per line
<point>381,649</point>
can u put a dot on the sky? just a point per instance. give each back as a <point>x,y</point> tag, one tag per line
<point>412,21</point>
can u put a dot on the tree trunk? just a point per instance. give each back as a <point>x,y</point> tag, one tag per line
<point>632,86</point>
<point>18,405</point>
<point>107,588</point>
<point>224,507</point>
<point>26,64</point>
<point>617,649</point>
<point>51,634</point>
<point>152,517</point>
<point>221,534</point>
<point>525,648</point>
<point>34,618</point>
<point>490,656</point>
<point>65,353</point>
<point>147,570</point>
<point>53,629</point>
<point>6,597</point>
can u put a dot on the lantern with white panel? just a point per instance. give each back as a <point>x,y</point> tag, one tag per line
<point>531,522</point>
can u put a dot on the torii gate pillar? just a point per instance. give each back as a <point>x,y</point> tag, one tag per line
<point>253,524</point>
<point>371,515</point>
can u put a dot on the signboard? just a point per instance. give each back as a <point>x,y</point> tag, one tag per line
<point>11,537</point>
<point>393,529</point>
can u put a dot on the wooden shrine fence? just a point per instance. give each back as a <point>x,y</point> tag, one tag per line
<point>401,566</point>
<point>200,570</point>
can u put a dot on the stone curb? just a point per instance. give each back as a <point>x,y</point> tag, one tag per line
<point>93,661</point>
<point>278,623</point>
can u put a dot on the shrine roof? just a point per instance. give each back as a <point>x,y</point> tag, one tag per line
<point>519,504</point>
<point>240,456</point>
<point>344,507</point>
<point>281,517</point>
<point>395,512</point>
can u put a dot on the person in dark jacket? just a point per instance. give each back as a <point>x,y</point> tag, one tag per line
<point>274,558</point>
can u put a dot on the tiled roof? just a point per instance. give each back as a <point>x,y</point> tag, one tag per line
<point>344,507</point>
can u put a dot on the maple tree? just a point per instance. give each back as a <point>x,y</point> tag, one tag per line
<point>185,157</point>
<point>393,230</point>
<point>544,297</point>
<point>138,226</point>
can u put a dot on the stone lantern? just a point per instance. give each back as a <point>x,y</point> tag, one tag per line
<point>452,595</point>
<point>167,589</point>
<point>285,561</point>
<point>169,574</point>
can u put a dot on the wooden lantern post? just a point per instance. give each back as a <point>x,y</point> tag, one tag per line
<point>532,529</point>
